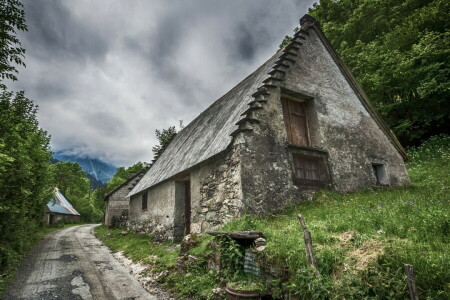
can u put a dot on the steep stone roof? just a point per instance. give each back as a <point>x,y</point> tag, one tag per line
<point>212,131</point>
<point>209,133</point>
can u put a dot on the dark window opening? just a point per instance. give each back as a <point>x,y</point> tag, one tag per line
<point>379,171</point>
<point>295,120</point>
<point>309,170</point>
<point>144,201</point>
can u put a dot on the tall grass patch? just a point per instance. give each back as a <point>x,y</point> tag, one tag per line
<point>363,239</point>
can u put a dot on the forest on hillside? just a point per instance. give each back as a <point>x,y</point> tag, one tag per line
<point>399,51</point>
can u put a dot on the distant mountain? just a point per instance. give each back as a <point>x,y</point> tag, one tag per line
<point>96,168</point>
<point>95,184</point>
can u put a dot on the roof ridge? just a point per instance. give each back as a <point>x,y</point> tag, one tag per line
<point>144,170</point>
<point>68,207</point>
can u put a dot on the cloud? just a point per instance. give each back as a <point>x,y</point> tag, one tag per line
<point>107,73</point>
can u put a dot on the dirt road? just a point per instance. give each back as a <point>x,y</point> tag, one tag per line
<point>72,264</point>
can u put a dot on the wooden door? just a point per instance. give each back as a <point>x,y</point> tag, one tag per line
<point>187,207</point>
<point>295,119</point>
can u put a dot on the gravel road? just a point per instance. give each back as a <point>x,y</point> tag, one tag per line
<point>72,264</point>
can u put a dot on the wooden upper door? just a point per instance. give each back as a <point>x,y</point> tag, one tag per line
<point>295,120</point>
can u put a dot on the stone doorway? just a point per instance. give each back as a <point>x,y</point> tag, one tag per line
<point>182,222</point>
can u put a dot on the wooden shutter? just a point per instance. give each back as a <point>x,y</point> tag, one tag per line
<point>294,114</point>
<point>310,170</point>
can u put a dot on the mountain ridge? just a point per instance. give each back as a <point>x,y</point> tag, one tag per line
<point>94,167</point>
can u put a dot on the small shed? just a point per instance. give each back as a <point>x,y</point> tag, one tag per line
<point>117,201</point>
<point>60,209</point>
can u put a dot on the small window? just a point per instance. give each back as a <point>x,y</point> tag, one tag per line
<point>309,170</point>
<point>144,201</point>
<point>295,120</point>
<point>379,171</point>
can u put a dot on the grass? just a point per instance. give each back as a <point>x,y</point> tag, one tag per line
<point>35,235</point>
<point>140,247</point>
<point>361,241</point>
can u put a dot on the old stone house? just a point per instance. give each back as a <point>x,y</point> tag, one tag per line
<point>59,209</point>
<point>298,123</point>
<point>117,200</point>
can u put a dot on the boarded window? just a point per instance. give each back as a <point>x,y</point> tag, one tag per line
<point>310,170</point>
<point>144,201</point>
<point>295,120</point>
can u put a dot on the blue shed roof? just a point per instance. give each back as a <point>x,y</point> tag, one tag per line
<point>59,204</point>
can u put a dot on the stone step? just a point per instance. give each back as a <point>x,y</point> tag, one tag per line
<point>257,101</point>
<point>275,73</point>
<point>302,33</point>
<point>246,121</point>
<point>234,133</point>
<point>251,109</point>
<point>292,47</point>
<point>261,91</point>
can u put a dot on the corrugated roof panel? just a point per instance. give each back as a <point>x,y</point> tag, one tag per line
<point>55,207</point>
<point>66,204</point>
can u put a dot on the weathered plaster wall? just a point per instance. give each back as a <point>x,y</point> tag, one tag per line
<point>340,129</point>
<point>158,219</point>
<point>346,130</point>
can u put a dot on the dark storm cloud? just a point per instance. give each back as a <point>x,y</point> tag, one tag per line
<point>55,34</point>
<point>107,73</point>
<point>103,122</point>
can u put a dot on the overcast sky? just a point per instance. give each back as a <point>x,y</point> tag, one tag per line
<point>107,73</point>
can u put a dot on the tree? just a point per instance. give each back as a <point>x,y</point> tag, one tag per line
<point>287,39</point>
<point>399,52</point>
<point>164,136</point>
<point>24,171</point>
<point>70,178</point>
<point>12,18</point>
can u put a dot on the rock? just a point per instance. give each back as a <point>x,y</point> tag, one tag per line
<point>260,242</point>
<point>211,216</point>
<point>218,291</point>
<point>188,242</point>
<point>124,233</point>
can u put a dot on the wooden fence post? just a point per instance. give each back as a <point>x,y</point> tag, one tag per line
<point>308,245</point>
<point>411,282</point>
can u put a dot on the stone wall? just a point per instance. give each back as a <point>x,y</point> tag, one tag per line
<point>216,198</point>
<point>345,128</point>
<point>342,133</point>
<point>216,192</point>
